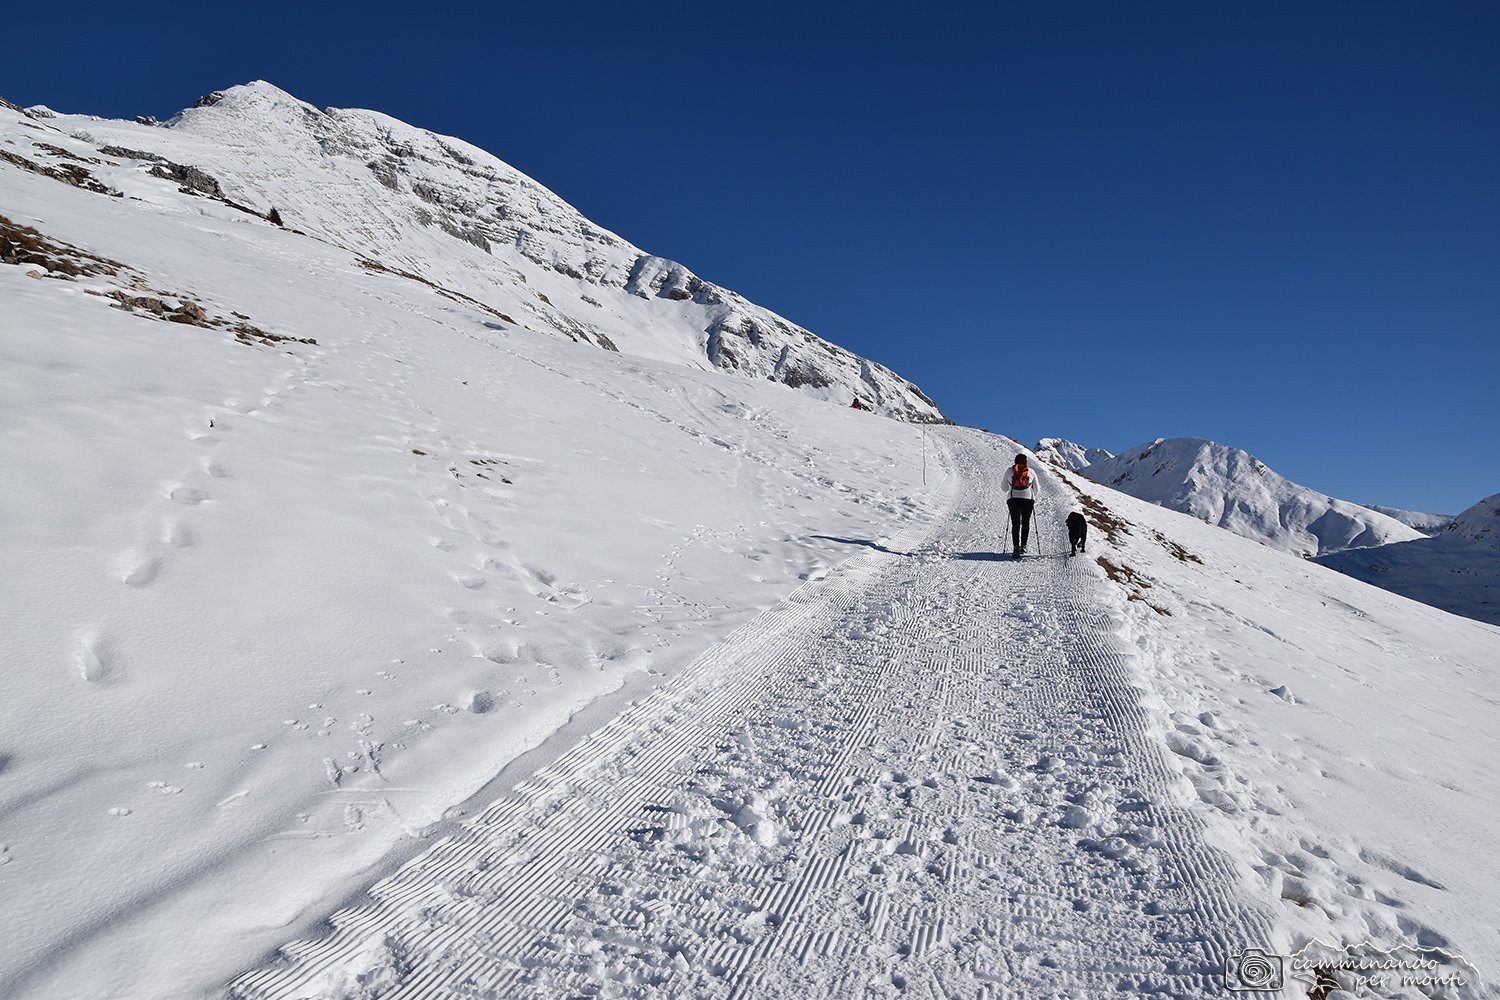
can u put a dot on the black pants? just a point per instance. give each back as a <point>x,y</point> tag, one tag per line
<point>1020,521</point>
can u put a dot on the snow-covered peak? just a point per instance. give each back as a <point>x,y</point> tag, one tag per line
<point>1479,524</point>
<point>1232,488</point>
<point>1068,454</point>
<point>440,211</point>
<point>257,94</point>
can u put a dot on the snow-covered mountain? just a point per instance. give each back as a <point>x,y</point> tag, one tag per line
<point>1069,455</point>
<point>1427,524</point>
<point>437,210</point>
<point>1235,490</point>
<point>299,553</point>
<point>314,571</point>
<point>1457,570</point>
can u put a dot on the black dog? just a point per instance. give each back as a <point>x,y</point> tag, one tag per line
<point>1078,532</point>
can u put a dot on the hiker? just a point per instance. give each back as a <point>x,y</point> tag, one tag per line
<point>1021,502</point>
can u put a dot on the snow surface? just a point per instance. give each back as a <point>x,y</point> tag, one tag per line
<point>1060,451</point>
<point>1457,570</point>
<point>608,673</point>
<point>1233,489</point>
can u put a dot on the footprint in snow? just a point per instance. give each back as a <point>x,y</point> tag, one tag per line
<point>137,569</point>
<point>183,494</point>
<point>95,658</point>
<point>176,534</point>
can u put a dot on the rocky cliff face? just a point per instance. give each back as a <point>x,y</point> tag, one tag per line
<point>438,210</point>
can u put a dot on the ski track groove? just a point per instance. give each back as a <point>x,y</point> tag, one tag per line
<point>926,774</point>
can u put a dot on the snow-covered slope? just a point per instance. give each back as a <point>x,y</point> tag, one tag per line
<point>1233,489</point>
<point>1060,451</point>
<point>436,209</point>
<point>1427,524</point>
<point>301,557</point>
<point>1457,570</point>
<point>299,554</point>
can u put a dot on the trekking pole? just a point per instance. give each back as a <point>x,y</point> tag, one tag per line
<point>1037,517</point>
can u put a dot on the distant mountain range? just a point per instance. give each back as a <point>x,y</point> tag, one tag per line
<point>1235,490</point>
<point>1427,524</point>
<point>1457,570</point>
<point>1069,455</point>
<point>1447,562</point>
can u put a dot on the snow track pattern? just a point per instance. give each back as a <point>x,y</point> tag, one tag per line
<point>928,774</point>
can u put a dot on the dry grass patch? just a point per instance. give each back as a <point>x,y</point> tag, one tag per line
<point>1134,584</point>
<point>24,245</point>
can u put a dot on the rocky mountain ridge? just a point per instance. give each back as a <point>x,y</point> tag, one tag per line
<point>438,210</point>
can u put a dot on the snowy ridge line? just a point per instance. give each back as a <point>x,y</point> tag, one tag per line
<point>397,898</point>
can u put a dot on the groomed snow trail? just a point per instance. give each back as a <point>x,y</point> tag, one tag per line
<point>928,773</point>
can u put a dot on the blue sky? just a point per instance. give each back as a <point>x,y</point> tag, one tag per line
<point>1274,225</point>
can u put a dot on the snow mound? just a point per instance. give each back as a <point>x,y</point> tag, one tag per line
<point>1060,451</point>
<point>1233,489</point>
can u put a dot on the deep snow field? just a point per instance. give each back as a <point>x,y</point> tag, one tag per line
<point>285,620</point>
